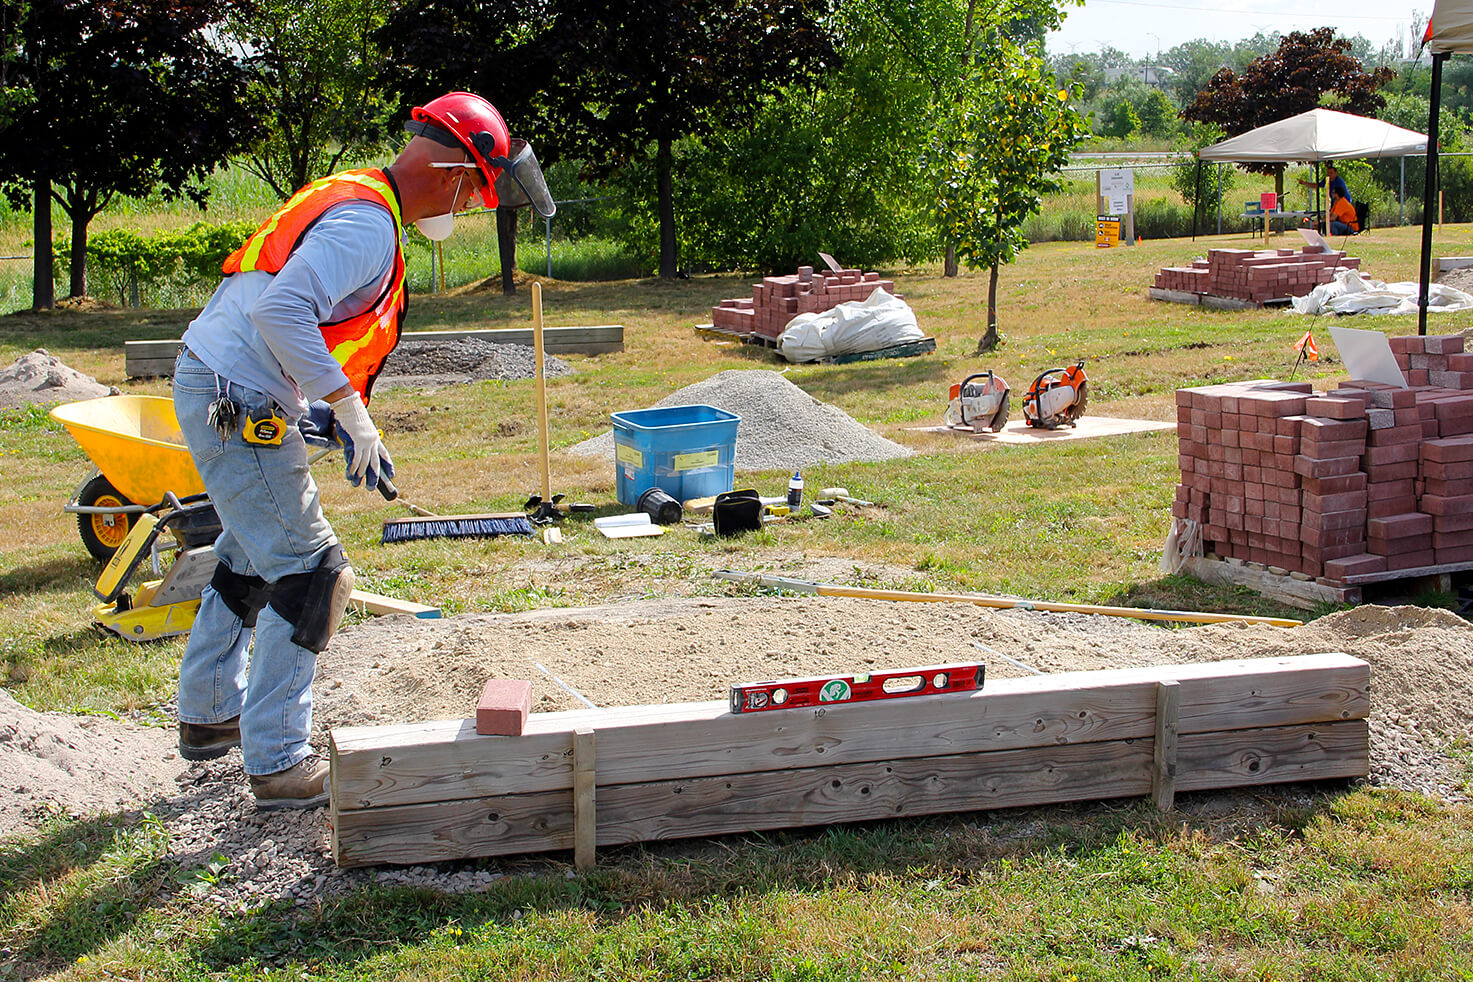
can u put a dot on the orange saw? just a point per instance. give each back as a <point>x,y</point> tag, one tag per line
<point>1056,398</point>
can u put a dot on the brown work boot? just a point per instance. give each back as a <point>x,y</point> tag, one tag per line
<point>302,785</point>
<point>206,741</point>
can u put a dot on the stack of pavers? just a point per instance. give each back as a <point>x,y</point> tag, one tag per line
<point>778,299</point>
<point>1256,276</point>
<point>1364,479</point>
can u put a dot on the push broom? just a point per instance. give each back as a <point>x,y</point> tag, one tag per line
<point>431,526</point>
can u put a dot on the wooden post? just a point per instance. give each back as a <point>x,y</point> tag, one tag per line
<point>1439,207</point>
<point>585,825</point>
<point>1168,711</point>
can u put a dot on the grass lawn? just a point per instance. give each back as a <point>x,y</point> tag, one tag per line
<point>1355,885</point>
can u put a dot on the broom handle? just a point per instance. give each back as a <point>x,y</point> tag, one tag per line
<point>541,391</point>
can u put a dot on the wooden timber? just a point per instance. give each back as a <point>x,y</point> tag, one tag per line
<point>1164,745</point>
<point>148,359</point>
<point>1305,594</point>
<point>392,765</point>
<point>673,809</point>
<point>433,791</point>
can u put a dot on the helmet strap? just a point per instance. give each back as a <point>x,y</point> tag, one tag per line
<point>430,131</point>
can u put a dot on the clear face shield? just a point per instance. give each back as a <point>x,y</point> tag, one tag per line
<point>520,182</point>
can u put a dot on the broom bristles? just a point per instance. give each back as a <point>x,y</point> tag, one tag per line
<point>464,527</point>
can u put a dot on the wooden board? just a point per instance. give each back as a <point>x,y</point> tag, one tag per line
<point>1173,296</point>
<point>375,603</point>
<point>499,825</point>
<point>380,766</point>
<point>148,359</point>
<point>1305,594</point>
<point>1018,431</point>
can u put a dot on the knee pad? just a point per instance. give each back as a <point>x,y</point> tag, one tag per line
<point>243,595</point>
<point>313,603</point>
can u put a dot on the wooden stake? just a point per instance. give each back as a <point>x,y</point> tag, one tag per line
<point>1168,712</point>
<point>585,823</point>
<point>542,448</point>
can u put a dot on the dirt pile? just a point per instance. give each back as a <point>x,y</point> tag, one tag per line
<point>77,764</point>
<point>42,379</point>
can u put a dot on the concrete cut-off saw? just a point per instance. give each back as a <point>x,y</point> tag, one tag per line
<point>1056,398</point>
<point>978,402</point>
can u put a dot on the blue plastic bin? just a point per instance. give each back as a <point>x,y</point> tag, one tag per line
<point>686,451</point>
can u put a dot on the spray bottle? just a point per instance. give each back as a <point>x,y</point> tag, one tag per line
<point>795,491</point>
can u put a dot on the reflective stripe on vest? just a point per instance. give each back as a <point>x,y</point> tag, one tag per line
<point>361,343</point>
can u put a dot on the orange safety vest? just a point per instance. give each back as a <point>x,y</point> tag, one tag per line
<point>359,344</point>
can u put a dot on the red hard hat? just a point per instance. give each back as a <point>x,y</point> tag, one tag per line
<point>476,126</point>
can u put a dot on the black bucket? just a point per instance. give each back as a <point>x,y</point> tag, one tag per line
<point>664,509</point>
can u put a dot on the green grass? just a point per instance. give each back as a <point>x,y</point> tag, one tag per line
<point>1348,885</point>
<point>1364,885</point>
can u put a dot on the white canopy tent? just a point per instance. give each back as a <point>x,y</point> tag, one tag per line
<point>1315,136</point>
<point>1449,31</point>
<point>1318,135</point>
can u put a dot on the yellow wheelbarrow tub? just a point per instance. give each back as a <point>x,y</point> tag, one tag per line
<point>135,442</point>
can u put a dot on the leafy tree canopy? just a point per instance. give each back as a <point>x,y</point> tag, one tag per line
<point>315,71</point>
<point>110,97</point>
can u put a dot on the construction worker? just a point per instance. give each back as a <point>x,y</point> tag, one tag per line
<point>1342,215</point>
<point>308,310</point>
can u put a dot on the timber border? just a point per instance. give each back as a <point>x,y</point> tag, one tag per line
<point>433,791</point>
<point>150,359</point>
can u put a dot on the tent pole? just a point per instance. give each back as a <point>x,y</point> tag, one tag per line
<point>1428,191</point>
<point>1219,197</point>
<point>1401,196</point>
<point>1197,200</point>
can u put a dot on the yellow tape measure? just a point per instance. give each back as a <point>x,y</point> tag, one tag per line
<point>264,430</point>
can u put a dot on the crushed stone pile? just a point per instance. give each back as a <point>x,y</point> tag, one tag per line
<point>460,360</point>
<point>40,378</point>
<point>782,426</point>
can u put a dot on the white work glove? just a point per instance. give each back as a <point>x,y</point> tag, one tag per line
<point>362,445</point>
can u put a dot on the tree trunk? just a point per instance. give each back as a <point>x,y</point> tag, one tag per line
<point>990,339</point>
<point>43,286</point>
<point>79,254</point>
<point>506,243</point>
<point>664,167</point>
<point>952,267</point>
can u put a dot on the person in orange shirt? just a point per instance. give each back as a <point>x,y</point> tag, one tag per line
<point>1342,215</point>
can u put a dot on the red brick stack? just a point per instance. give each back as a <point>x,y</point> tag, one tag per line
<point>1256,275</point>
<point>778,299</point>
<point>1367,478</point>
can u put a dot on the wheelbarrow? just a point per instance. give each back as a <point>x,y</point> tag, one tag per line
<point>138,456</point>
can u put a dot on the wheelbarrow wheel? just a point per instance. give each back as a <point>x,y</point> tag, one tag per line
<point>102,533</point>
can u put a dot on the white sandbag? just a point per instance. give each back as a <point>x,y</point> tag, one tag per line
<point>1350,293</point>
<point>882,321</point>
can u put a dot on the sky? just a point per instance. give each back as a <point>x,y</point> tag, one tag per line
<point>1139,27</point>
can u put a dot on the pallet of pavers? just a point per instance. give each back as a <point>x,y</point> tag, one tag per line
<point>425,792</point>
<point>778,299</point>
<point>1365,483</point>
<point>1251,277</point>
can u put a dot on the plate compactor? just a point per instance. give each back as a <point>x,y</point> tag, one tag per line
<point>978,402</point>
<point>163,607</point>
<point>1056,398</point>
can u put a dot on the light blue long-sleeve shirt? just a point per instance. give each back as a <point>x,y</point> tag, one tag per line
<point>263,330</point>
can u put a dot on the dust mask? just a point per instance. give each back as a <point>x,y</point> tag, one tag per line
<point>437,228</point>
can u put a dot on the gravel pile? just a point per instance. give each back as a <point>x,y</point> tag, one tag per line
<point>459,360</point>
<point>782,426</point>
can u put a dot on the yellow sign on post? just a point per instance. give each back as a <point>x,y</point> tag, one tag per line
<point>1107,231</point>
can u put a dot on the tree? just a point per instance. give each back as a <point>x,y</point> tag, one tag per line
<point>1002,154</point>
<point>119,97</point>
<point>617,82</point>
<point>1157,114</point>
<point>315,70</point>
<point>1119,118</point>
<point>1308,69</point>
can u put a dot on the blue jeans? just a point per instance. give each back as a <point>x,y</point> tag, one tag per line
<point>273,526</point>
<point>1339,228</point>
